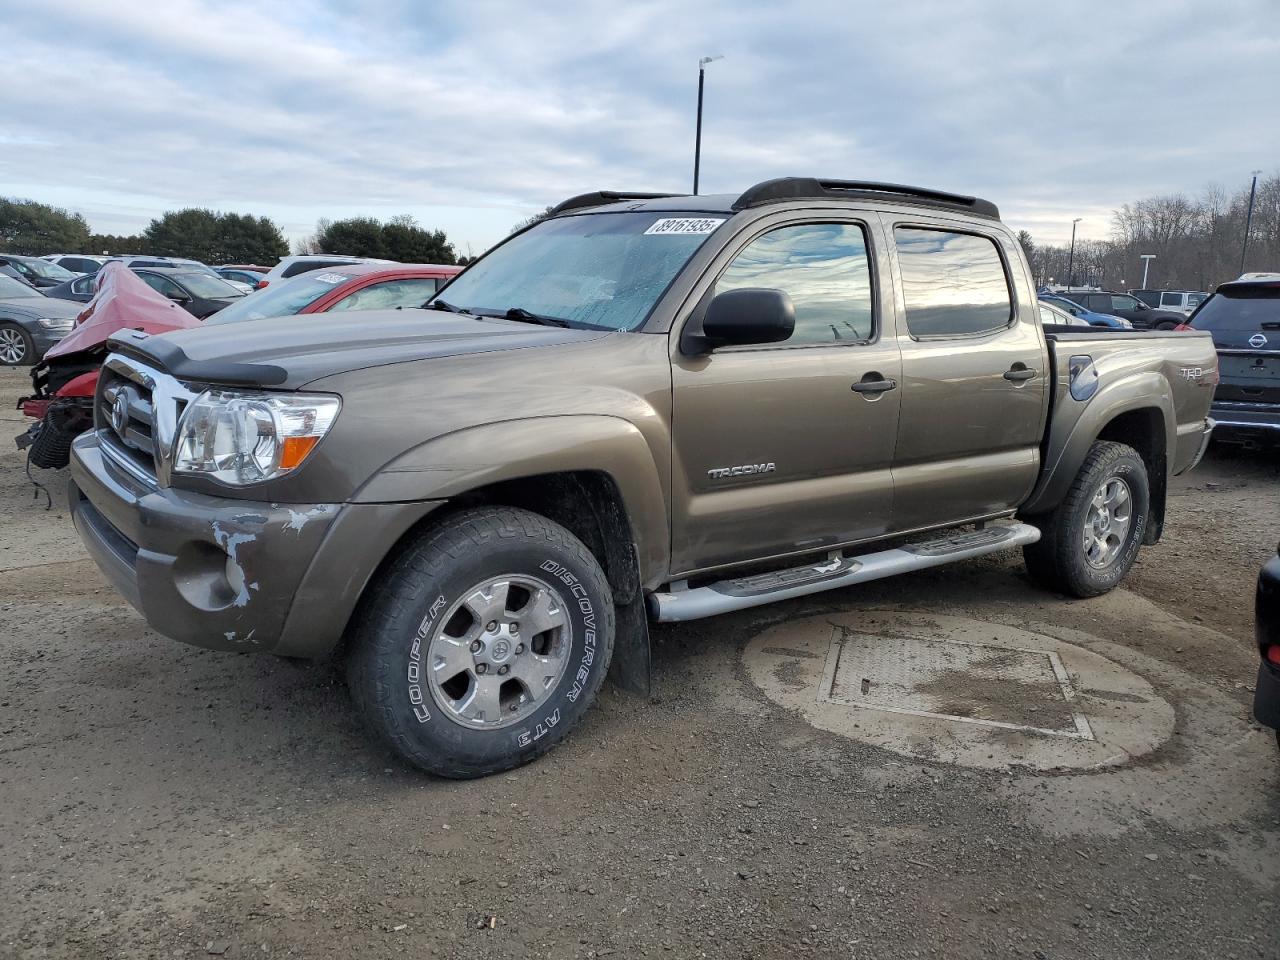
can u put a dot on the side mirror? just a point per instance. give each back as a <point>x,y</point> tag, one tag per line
<point>747,316</point>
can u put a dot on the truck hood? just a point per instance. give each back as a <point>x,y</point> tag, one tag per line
<point>293,351</point>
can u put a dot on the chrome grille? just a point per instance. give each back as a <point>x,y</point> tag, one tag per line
<point>136,416</point>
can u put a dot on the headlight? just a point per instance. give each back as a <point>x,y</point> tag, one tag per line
<point>1127,324</point>
<point>56,323</point>
<point>242,438</point>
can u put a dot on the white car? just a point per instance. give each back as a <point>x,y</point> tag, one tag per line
<point>305,263</point>
<point>1183,301</point>
<point>76,262</point>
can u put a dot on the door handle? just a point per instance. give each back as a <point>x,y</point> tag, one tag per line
<point>1018,374</point>
<point>874,386</point>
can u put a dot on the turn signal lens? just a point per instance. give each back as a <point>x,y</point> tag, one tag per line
<point>295,450</point>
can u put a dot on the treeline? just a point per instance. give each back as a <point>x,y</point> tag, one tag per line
<point>1197,242</point>
<point>34,229</point>
<point>399,238</point>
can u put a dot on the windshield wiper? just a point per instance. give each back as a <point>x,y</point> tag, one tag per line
<point>448,307</point>
<point>522,315</point>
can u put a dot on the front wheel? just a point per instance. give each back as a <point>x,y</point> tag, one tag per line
<point>1091,539</point>
<point>483,643</point>
<point>16,346</point>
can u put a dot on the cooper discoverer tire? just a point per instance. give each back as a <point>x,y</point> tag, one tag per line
<point>1091,539</point>
<point>483,643</point>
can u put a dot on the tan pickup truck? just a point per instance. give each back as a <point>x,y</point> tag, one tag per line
<point>642,407</point>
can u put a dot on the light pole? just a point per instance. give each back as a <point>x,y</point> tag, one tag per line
<point>1248,220</point>
<point>1071,257</point>
<point>1146,262</point>
<point>697,139</point>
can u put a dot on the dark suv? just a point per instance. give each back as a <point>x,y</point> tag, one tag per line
<point>1244,319</point>
<point>1130,307</point>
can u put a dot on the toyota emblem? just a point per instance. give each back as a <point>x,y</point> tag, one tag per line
<point>1257,341</point>
<point>120,411</point>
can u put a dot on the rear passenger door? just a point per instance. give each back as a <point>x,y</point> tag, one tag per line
<point>973,378</point>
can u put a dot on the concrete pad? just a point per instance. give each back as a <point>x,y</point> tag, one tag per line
<point>960,691</point>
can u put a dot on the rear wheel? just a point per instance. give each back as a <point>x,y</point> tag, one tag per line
<point>1089,542</point>
<point>483,643</point>
<point>16,346</point>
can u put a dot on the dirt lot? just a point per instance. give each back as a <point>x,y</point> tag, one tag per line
<point>163,801</point>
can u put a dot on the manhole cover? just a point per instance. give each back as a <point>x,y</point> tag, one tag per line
<point>946,688</point>
<point>954,680</point>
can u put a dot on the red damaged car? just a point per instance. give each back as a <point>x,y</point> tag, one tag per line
<point>352,286</point>
<point>67,377</point>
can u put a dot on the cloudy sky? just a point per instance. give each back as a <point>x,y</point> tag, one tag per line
<point>472,115</point>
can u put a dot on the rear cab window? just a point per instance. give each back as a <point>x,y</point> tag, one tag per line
<point>954,284</point>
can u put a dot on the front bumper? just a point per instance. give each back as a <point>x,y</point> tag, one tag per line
<point>43,339</point>
<point>231,574</point>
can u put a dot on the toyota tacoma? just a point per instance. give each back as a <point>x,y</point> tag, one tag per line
<point>641,408</point>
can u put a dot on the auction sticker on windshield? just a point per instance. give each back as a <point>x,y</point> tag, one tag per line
<point>685,225</point>
<point>332,278</point>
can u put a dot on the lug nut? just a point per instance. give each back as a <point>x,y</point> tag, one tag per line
<point>482,668</point>
<point>519,648</point>
<point>475,646</point>
<point>503,669</point>
<point>515,627</point>
<point>493,625</point>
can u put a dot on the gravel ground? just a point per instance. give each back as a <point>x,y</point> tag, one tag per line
<point>162,801</point>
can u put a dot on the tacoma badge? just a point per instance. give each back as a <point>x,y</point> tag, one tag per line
<point>746,470</point>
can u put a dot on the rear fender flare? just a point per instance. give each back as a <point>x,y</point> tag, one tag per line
<point>1064,455</point>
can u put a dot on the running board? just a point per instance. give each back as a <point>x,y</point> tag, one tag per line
<point>684,603</point>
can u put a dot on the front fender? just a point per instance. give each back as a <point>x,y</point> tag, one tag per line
<point>1075,426</point>
<point>455,463</point>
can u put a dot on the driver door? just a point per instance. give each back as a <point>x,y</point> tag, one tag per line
<point>775,450</point>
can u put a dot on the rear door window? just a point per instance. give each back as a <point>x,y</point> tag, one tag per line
<point>954,283</point>
<point>1173,300</point>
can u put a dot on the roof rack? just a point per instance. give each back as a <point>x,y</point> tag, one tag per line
<point>808,188</point>
<point>600,197</point>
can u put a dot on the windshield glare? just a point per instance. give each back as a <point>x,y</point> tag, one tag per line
<point>283,298</point>
<point>44,269</point>
<point>596,270</point>
<point>10,288</point>
<point>209,287</point>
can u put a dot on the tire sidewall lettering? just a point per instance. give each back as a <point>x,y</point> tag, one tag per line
<point>414,670</point>
<point>572,687</point>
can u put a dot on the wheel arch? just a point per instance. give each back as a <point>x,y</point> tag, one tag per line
<point>1137,411</point>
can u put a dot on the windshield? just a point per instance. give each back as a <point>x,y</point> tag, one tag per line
<point>283,298</point>
<point>597,270</point>
<point>209,286</point>
<point>10,288</point>
<point>43,268</point>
